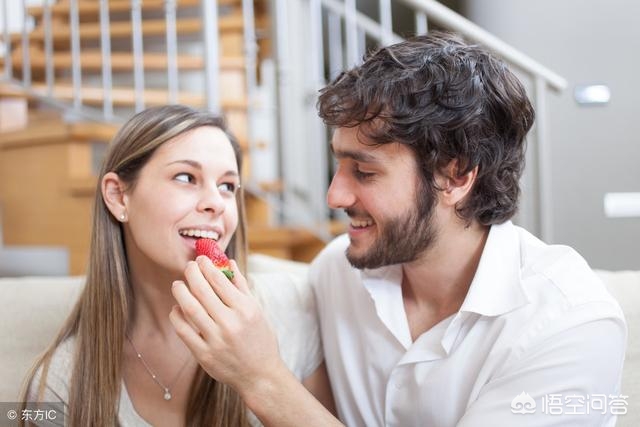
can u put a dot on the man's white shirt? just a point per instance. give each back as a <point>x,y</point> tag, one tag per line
<point>537,340</point>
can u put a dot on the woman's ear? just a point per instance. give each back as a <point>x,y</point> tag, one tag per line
<point>114,196</point>
<point>456,187</point>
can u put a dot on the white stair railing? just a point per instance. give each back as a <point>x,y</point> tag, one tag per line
<point>204,83</point>
<point>209,44</point>
<point>316,39</point>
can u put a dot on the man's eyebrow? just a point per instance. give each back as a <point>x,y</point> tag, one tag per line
<point>358,156</point>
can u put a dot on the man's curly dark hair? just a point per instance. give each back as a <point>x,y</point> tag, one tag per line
<point>446,100</point>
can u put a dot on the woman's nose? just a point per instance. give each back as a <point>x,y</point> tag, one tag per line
<point>211,200</point>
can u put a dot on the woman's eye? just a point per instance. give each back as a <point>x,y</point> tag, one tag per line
<point>228,187</point>
<point>184,177</point>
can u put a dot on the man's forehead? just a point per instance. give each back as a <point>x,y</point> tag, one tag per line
<point>352,143</point>
<point>357,154</point>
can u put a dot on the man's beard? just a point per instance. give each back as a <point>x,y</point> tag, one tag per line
<point>403,239</point>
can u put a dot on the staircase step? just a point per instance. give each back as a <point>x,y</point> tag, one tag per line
<point>39,208</point>
<point>124,96</point>
<point>123,29</point>
<point>91,8</point>
<point>235,111</point>
<point>93,131</point>
<point>10,90</point>
<point>120,61</point>
<point>47,126</point>
<point>41,129</point>
<point>294,243</point>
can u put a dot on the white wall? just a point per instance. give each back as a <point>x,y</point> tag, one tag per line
<point>15,15</point>
<point>596,149</point>
<point>15,12</point>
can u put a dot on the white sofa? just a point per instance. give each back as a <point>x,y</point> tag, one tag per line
<point>33,309</point>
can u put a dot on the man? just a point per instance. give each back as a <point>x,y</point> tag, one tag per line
<point>435,310</point>
<point>443,312</point>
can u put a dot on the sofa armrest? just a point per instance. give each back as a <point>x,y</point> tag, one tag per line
<point>625,288</point>
<point>31,313</point>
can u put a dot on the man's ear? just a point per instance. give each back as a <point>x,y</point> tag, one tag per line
<point>456,187</point>
<point>114,196</point>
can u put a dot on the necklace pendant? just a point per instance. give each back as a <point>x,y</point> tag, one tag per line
<point>167,394</point>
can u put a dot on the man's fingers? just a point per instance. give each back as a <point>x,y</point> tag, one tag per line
<point>224,289</point>
<point>186,331</point>
<point>192,310</point>
<point>200,287</point>
<point>239,280</point>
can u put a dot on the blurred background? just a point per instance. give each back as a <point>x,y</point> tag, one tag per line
<point>71,71</point>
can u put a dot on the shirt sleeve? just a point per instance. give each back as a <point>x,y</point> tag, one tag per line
<point>290,307</point>
<point>555,382</point>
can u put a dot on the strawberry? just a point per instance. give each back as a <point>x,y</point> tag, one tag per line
<point>209,248</point>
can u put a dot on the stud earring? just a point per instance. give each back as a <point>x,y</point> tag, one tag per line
<point>122,217</point>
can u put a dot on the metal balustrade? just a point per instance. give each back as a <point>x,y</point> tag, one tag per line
<point>347,33</point>
<point>313,40</point>
<point>209,39</point>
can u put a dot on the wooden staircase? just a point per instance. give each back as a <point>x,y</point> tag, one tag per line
<point>48,167</point>
<point>232,85</point>
<point>48,183</point>
<point>40,168</point>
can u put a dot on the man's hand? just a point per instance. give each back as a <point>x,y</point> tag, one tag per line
<point>223,325</point>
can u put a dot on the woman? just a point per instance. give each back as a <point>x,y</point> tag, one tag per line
<point>171,175</point>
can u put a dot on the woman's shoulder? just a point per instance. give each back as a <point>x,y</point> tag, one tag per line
<point>280,283</point>
<point>288,302</point>
<point>277,291</point>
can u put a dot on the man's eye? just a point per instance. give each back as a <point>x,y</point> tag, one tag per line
<point>362,175</point>
<point>184,177</point>
<point>228,187</point>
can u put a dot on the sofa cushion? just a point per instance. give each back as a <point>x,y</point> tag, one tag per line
<point>625,287</point>
<point>33,310</point>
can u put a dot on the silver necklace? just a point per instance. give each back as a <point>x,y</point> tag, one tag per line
<point>165,388</point>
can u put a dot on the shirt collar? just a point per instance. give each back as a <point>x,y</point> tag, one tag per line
<point>496,287</point>
<point>384,286</point>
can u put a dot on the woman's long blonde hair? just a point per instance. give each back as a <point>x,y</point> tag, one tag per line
<point>101,316</point>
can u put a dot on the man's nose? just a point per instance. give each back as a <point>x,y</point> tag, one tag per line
<point>339,194</point>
